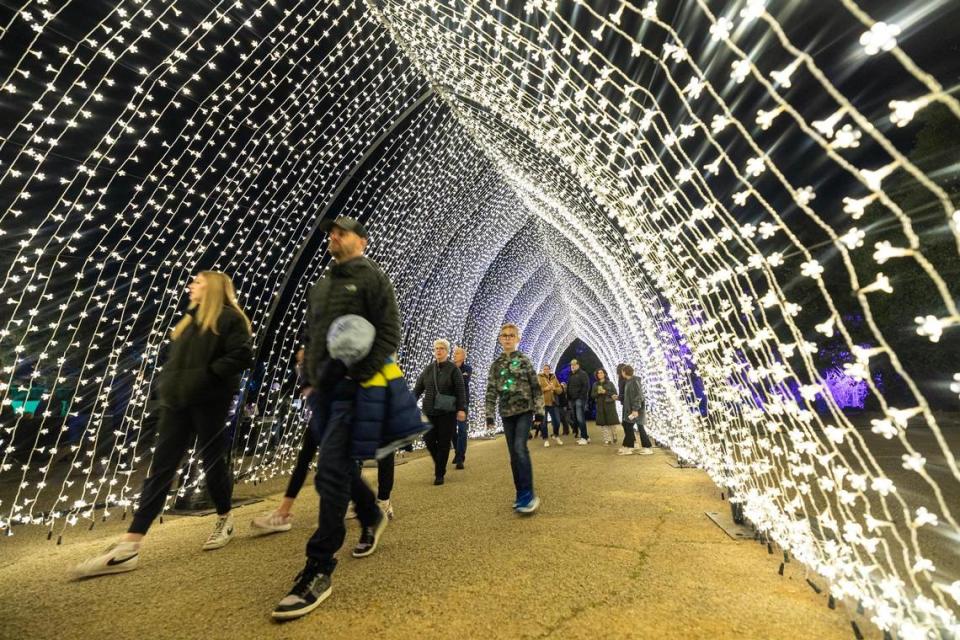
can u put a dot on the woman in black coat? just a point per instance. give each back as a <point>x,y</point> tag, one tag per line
<point>441,378</point>
<point>210,348</point>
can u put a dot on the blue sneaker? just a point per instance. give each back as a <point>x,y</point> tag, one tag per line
<point>529,506</point>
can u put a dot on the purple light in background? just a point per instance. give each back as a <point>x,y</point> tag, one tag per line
<point>848,392</point>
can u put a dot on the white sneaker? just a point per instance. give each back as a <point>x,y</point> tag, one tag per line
<point>582,441</point>
<point>558,440</point>
<point>645,451</point>
<point>624,451</point>
<point>386,507</point>
<point>606,443</point>
<point>117,558</point>
<point>351,512</point>
<point>222,533</point>
<point>273,522</point>
<point>546,443</point>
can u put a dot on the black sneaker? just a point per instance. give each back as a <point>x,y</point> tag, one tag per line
<point>369,537</point>
<point>438,481</point>
<point>459,465</point>
<point>312,587</point>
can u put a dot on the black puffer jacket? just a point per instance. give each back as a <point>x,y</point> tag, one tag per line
<point>358,287</point>
<point>203,366</point>
<point>578,385</point>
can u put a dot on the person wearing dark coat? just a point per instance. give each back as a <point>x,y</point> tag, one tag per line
<point>460,437</point>
<point>352,285</point>
<point>210,348</point>
<point>578,393</point>
<point>444,403</point>
<point>633,414</point>
<point>564,405</point>
<point>605,395</point>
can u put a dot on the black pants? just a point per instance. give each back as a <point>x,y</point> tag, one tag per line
<point>629,441</point>
<point>177,429</point>
<point>308,449</point>
<point>438,441</point>
<point>565,419</point>
<point>338,477</point>
<point>385,469</point>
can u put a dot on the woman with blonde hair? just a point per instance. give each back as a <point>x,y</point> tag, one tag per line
<point>210,348</point>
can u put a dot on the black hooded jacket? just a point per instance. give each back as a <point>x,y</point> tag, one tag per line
<point>204,366</point>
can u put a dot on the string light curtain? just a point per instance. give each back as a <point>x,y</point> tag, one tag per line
<point>698,188</point>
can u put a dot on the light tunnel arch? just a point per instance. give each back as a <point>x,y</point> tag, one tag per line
<point>669,207</point>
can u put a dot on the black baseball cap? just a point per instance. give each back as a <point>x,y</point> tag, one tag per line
<point>346,223</point>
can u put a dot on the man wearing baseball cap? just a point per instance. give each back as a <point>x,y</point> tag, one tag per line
<point>353,284</point>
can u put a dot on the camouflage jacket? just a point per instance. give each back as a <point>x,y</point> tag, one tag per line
<point>513,382</point>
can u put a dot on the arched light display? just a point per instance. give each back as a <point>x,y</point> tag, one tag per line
<point>692,191</point>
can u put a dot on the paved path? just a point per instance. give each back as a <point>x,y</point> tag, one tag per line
<point>620,549</point>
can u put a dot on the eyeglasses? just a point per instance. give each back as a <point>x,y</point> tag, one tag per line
<point>508,335</point>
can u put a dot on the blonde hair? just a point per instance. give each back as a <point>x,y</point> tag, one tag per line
<point>445,343</point>
<point>220,293</point>
<point>510,325</point>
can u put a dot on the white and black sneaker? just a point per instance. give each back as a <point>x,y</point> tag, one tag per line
<point>311,587</point>
<point>369,537</point>
<point>222,533</point>
<point>117,558</point>
<point>386,507</point>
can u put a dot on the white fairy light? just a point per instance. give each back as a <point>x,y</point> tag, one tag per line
<point>880,37</point>
<point>669,239</point>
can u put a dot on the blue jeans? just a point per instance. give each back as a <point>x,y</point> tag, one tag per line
<point>554,415</point>
<point>516,428</point>
<point>580,415</point>
<point>460,443</point>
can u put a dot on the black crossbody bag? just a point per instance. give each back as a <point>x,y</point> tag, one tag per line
<point>442,402</point>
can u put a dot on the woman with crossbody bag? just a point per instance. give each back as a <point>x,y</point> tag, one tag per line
<point>444,402</point>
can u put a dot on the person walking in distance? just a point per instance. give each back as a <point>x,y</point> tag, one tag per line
<point>352,285</point>
<point>513,388</point>
<point>550,386</point>
<point>444,402</point>
<point>578,392</point>
<point>634,413</point>
<point>460,438</point>
<point>210,347</point>
<point>605,395</point>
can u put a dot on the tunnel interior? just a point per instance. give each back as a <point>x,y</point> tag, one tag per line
<point>768,236</point>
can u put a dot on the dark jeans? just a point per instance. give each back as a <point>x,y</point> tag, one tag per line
<point>629,441</point>
<point>580,417</point>
<point>438,441</point>
<point>515,428</point>
<point>460,443</point>
<point>566,419</point>
<point>177,429</point>
<point>554,414</point>
<point>385,469</point>
<point>338,478</point>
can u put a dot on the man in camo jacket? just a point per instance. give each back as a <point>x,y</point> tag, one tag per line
<point>512,382</point>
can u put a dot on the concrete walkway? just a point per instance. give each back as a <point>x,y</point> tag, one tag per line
<point>620,549</point>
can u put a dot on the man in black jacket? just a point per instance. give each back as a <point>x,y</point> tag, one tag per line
<point>353,284</point>
<point>578,391</point>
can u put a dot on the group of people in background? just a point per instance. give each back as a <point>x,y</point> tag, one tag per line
<point>211,346</point>
<point>566,405</point>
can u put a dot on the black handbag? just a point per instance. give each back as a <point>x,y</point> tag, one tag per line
<point>442,403</point>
